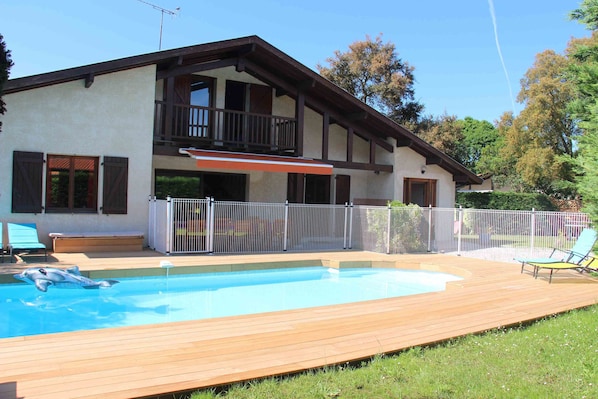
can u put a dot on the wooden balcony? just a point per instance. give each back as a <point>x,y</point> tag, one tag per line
<point>181,125</point>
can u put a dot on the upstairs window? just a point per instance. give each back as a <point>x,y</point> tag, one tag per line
<point>201,98</point>
<point>72,184</point>
<point>193,96</point>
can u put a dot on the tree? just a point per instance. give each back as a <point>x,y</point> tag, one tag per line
<point>5,65</point>
<point>465,140</point>
<point>478,138</point>
<point>499,161</point>
<point>444,133</point>
<point>545,91</point>
<point>539,144</point>
<point>584,74</point>
<point>373,73</point>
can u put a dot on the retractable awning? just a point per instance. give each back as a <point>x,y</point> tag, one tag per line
<point>266,163</point>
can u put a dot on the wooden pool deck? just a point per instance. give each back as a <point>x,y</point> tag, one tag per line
<point>143,361</point>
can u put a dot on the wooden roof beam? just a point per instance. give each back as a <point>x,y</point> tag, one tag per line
<point>357,116</point>
<point>306,85</point>
<point>268,77</point>
<point>247,49</point>
<point>89,78</point>
<point>432,160</point>
<point>190,69</point>
<point>361,166</point>
<point>460,178</point>
<point>404,142</point>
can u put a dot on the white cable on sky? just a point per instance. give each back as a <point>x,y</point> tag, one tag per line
<point>502,61</point>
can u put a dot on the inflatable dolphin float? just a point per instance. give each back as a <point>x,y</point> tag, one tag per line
<point>44,277</point>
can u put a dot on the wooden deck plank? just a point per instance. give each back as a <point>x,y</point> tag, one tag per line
<point>149,360</point>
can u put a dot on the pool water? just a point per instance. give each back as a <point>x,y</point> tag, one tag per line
<point>148,300</point>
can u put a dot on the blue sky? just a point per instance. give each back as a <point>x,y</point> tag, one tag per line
<point>451,44</point>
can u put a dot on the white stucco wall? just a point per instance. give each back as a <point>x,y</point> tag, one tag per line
<point>409,164</point>
<point>114,117</point>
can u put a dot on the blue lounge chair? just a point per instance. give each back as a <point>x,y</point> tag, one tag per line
<point>23,236</point>
<point>575,258</point>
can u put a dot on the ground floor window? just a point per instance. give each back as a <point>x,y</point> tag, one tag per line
<point>317,189</point>
<point>421,192</point>
<point>72,184</point>
<point>191,184</point>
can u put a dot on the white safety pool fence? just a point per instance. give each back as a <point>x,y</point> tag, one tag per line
<point>187,226</point>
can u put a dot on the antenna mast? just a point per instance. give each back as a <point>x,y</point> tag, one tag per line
<point>162,12</point>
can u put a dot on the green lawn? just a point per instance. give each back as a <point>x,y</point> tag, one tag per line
<point>554,358</point>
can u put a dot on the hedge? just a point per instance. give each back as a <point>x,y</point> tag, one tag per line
<point>505,201</point>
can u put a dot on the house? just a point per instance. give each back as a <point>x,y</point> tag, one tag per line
<point>82,149</point>
<point>486,186</point>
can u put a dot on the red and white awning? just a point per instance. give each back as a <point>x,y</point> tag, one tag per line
<point>266,163</point>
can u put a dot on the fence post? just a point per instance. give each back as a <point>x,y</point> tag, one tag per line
<point>286,224</point>
<point>169,223</point>
<point>351,225</point>
<point>430,228</point>
<point>388,230</point>
<point>459,230</point>
<point>533,232</point>
<point>210,225</point>
<point>345,226</point>
<point>151,223</point>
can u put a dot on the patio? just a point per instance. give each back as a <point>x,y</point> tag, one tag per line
<point>155,359</point>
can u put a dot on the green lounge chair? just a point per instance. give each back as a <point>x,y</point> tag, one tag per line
<point>23,236</point>
<point>581,267</point>
<point>575,258</point>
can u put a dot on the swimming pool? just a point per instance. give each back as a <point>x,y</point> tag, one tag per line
<point>148,300</point>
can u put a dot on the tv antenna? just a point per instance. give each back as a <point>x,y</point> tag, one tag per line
<point>162,12</point>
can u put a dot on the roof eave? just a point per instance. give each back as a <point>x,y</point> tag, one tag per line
<point>386,126</point>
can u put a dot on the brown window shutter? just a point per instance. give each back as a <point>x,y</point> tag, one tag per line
<point>295,187</point>
<point>343,189</point>
<point>116,182</point>
<point>27,172</point>
<point>432,194</point>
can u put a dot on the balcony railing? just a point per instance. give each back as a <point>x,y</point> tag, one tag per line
<point>207,127</point>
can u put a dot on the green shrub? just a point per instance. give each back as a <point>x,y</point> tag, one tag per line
<point>407,228</point>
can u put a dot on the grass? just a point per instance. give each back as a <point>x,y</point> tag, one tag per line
<point>556,357</point>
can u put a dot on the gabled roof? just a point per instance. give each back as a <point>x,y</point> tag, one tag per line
<point>270,65</point>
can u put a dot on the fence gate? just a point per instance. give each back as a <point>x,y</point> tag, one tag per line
<point>191,225</point>
<point>180,225</point>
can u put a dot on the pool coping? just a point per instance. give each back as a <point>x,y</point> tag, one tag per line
<point>216,267</point>
<point>151,360</point>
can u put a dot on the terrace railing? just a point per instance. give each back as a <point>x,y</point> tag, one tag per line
<point>207,226</point>
<point>209,127</point>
